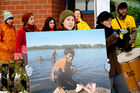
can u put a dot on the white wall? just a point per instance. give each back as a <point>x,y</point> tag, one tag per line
<point>100,6</point>
<point>103,5</point>
<point>97,5</point>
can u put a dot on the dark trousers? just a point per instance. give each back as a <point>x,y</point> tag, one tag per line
<point>119,84</point>
<point>67,83</point>
<point>4,80</point>
<point>64,80</point>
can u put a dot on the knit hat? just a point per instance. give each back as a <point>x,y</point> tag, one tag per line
<point>26,17</point>
<point>65,14</point>
<point>104,16</point>
<point>121,5</point>
<point>7,15</point>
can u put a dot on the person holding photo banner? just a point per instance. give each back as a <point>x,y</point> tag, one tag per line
<point>61,72</point>
<point>66,20</point>
<point>21,47</point>
<point>118,84</point>
<point>124,23</point>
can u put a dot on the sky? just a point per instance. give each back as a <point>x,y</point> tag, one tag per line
<point>65,37</point>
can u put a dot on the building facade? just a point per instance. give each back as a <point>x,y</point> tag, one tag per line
<point>41,10</point>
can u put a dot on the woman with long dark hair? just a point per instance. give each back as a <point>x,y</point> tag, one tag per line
<point>50,24</point>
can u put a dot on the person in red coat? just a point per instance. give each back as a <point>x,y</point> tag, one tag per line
<point>21,47</point>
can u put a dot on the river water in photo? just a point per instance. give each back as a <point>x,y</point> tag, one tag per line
<point>89,62</point>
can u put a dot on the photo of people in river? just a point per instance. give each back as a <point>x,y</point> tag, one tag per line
<point>72,61</point>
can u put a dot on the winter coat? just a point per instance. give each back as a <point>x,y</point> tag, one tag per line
<point>7,42</point>
<point>21,46</point>
<point>81,25</point>
<point>111,44</point>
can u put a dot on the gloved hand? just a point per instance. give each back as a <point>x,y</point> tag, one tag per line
<point>128,48</point>
<point>107,67</point>
<point>29,70</point>
<point>117,31</point>
<point>115,34</point>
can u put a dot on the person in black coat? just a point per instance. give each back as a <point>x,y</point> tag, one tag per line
<point>104,21</point>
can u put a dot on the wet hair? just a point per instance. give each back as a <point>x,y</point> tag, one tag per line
<point>122,5</point>
<point>46,26</point>
<point>104,16</point>
<point>80,12</point>
<point>69,50</point>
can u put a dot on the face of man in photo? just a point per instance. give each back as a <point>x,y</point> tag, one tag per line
<point>122,11</point>
<point>69,57</point>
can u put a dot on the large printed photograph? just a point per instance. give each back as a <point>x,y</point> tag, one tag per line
<point>65,54</point>
<point>63,60</point>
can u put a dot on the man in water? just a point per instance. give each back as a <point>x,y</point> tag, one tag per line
<point>40,59</point>
<point>63,70</point>
<point>54,57</point>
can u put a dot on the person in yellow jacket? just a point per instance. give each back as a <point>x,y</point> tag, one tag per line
<point>125,23</point>
<point>7,46</point>
<point>80,24</point>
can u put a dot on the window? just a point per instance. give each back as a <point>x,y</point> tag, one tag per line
<point>87,6</point>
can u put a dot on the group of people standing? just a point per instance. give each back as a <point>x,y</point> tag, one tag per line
<point>117,31</point>
<point>13,45</point>
<point>68,20</point>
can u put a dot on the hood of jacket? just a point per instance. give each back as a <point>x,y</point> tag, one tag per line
<point>117,11</point>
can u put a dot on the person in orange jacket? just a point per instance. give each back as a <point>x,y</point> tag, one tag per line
<point>28,20</point>
<point>7,46</point>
